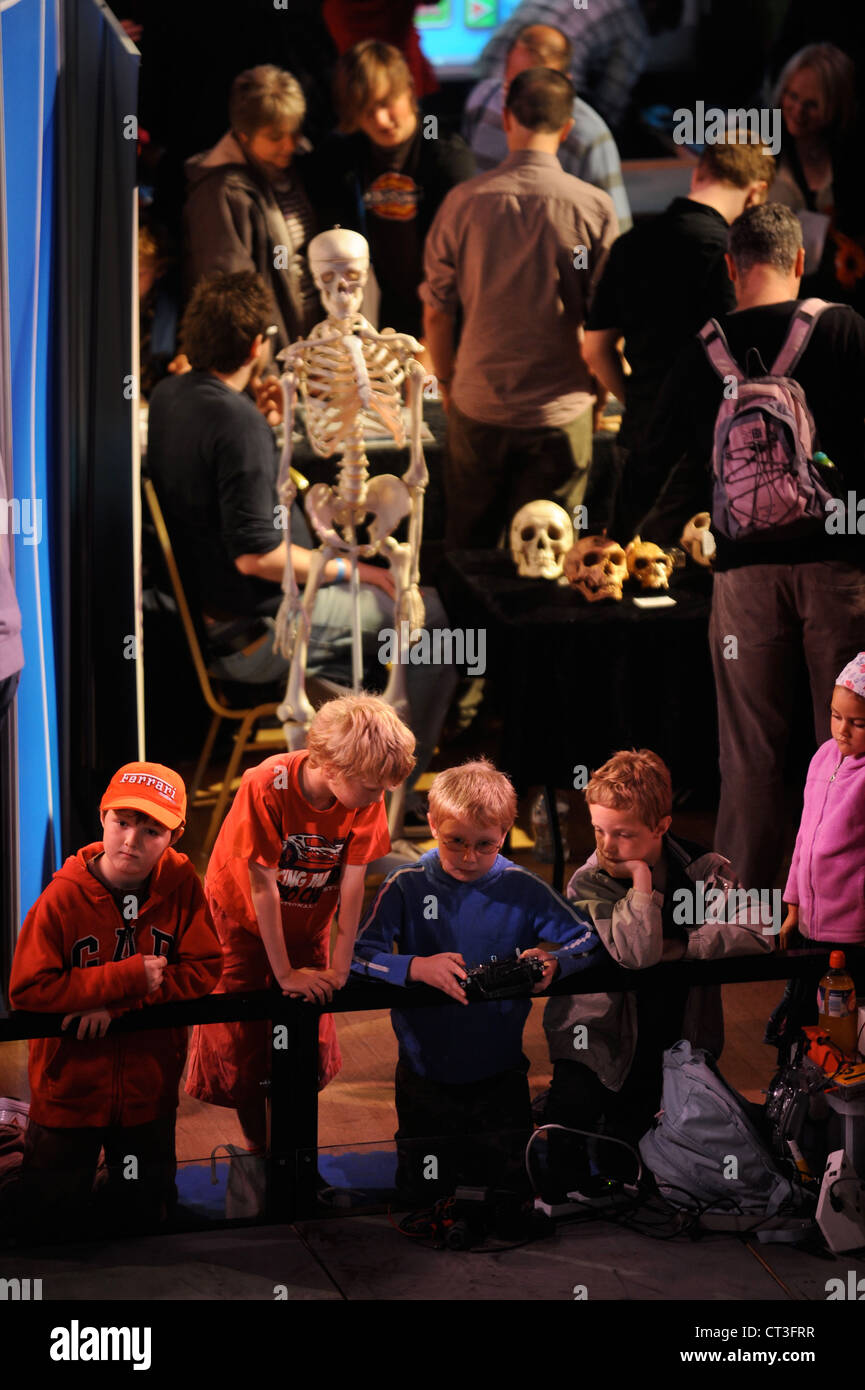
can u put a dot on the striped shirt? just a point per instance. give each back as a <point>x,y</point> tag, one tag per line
<point>610,40</point>
<point>295,208</point>
<point>588,151</point>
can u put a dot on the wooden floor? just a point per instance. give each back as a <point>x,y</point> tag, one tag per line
<point>357,1107</point>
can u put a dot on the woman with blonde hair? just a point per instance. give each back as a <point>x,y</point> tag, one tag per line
<point>817,165</point>
<point>816,94</point>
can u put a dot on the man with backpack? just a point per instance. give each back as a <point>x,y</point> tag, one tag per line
<point>663,280</point>
<point>789,574</point>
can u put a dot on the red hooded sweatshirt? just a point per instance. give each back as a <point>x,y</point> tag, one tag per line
<point>78,951</point>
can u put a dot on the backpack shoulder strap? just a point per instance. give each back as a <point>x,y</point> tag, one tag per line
<point>798,335</point>
<point>717,350</point>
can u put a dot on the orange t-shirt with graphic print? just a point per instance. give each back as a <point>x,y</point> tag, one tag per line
<point>272,823</point>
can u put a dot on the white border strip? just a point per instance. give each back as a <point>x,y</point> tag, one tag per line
<point>135,423</point>
<point>36,576</point>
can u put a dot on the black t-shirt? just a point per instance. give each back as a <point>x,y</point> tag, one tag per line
<point>678,448</point>
<point>390,196</point>
<point>662,281</point>
<point>214,464</point>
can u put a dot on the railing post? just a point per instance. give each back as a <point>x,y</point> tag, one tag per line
<point>293,1114</point>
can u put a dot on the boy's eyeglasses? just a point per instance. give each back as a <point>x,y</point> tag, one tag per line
<point>458,846</point>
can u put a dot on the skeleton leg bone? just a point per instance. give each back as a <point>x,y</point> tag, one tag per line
<point>356,639</point>
<point>296,713</point>
<point>395,692</point>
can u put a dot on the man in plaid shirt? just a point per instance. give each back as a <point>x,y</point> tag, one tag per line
<point>610,40</point>
<point>588,151</point>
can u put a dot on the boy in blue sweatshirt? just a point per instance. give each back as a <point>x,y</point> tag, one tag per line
<point>461,1084</point>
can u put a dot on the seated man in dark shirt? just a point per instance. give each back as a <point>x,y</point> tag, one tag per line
<point>775,600</point>
<point>662,281</point>
<point>214,464</point>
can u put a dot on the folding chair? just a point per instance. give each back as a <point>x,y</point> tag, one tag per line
<point>247,736</point>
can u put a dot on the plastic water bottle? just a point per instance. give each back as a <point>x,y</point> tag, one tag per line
<point>543,847</point>
<point>836,1002</point>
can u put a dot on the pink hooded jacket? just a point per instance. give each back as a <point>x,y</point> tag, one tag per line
<point>827,875</point>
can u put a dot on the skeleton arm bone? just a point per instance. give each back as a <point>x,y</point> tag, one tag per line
<point>416,477</point>
<point>287,491</point>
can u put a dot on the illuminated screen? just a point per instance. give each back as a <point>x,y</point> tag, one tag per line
<point>453,32</point>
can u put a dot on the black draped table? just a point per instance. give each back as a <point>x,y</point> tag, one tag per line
<point>578,681</point>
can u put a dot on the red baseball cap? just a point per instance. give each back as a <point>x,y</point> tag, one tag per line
<point>148,787</point>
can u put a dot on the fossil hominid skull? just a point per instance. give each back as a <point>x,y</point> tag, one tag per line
<point>648,564</point>
<point>698,540</point>
<point>541,533</point>
<point>596,568</point>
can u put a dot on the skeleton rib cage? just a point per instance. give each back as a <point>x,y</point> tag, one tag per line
<point>329,383</point>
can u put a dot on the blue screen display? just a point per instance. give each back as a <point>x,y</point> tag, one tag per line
<point>453,32</point>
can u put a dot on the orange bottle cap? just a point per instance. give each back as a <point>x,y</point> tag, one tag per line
<point>837,960</point>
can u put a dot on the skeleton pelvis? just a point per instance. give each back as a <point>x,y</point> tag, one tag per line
<point>387,501</point>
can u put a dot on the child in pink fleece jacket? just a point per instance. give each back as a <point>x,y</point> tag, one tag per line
<point>825,889</point>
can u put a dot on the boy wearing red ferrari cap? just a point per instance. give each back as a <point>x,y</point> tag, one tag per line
<point>122,924</point>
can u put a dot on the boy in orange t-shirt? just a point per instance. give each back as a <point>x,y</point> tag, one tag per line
<point>294,848</point>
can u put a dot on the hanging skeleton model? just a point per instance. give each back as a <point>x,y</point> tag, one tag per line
<point>350,377</point>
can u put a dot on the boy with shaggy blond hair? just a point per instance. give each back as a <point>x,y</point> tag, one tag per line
<point>637,888</point>
<point>463,1074</point>
<point>291,853</point>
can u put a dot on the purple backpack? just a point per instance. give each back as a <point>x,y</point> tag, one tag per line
<point>765,478</point>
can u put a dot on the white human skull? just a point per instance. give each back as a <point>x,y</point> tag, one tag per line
<point>541,532</point>
<point>648,564</point>
<point>698,540</point>
<point>596,568</point>
<point>339,262</point>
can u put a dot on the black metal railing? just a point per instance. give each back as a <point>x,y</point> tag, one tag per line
<point>293,1091</point>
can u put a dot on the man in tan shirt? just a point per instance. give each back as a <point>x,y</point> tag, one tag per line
<point>517,251</point>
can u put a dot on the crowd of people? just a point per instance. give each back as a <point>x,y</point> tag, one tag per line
<point>509,253</point>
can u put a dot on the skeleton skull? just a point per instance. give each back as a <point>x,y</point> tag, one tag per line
<point>698,539</point>
<point>339,261</point>
<point>596,568</point>
<point>540,534</point>
<point>648,564</point>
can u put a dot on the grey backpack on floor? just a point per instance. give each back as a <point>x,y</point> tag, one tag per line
<point>704,1150</point>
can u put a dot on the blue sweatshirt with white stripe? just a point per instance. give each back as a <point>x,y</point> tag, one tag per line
<point>422,910</point>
